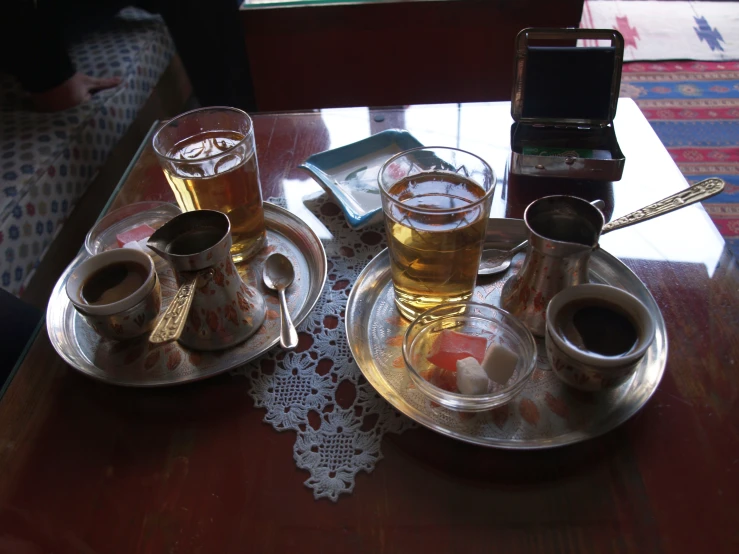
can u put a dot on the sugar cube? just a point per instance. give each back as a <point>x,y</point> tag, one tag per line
<point>471,378</point>
<point>134,245</point>
<point>499,363</point>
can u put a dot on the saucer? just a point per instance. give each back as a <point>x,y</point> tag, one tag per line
<point>349,173</point>
<point>546,413</point>
<point>103,235</point>
<point>137,363</point>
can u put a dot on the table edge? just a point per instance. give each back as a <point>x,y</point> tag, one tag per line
<point>42,322</point>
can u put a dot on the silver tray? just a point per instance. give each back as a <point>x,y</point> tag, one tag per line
<point>136,363</point>
<point>546,413</point>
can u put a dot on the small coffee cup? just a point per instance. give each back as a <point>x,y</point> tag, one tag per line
<point>596,335</point>
<point>119,313</point>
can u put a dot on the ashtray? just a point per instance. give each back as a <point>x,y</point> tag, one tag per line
<point>103,235</point>
<point>472,323</point>
<point>349,173</point>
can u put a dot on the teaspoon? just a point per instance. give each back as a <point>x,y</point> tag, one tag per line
<point>278,274</point>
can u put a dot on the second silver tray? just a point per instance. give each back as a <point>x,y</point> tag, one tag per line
<point>137,363</point>
<point>547,413</point>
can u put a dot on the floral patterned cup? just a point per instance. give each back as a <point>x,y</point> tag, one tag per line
<point>585,369</point>
<point>127,318</point>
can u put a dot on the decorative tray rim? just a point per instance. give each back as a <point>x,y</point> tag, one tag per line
<point>58,302</point>
<point>374,375</point>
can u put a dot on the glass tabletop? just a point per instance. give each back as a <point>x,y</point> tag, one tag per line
<point>77,454</point>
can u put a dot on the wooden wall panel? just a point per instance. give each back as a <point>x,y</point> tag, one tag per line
<point>391,53</point>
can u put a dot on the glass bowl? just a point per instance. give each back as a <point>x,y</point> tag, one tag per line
<point>495,325</point>
<point>103,234</point>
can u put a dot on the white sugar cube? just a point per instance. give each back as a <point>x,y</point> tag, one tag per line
<point>134,245</point>
<point>145,247</point>
<point>499,363</point>
<point>471,378</point>
<point>139,245</point>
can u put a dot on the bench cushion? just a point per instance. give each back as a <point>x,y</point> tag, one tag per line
<point>48,160</point>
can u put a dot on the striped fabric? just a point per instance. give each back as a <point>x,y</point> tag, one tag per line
<point>694,109</point>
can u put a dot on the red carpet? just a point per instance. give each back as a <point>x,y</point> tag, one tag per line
<point>694,108</point>
<point>692,105</point>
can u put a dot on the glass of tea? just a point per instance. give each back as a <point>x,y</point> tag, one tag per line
<point>436,202</point>
<point>210,160</point>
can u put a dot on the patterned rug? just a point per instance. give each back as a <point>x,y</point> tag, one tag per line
<point>653,31</point>
<point>694,109</point>
<point>692,105</point>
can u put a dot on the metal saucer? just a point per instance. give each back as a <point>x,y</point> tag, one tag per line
<point>546,413</point>
<point>136,363</point>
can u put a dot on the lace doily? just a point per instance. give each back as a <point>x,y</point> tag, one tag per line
<point>318,390</point>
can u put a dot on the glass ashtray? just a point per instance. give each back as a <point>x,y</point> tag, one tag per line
<point>103,235</point>
<point>496,326</point>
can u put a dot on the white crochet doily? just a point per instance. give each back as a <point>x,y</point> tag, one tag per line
<point>337,435</point>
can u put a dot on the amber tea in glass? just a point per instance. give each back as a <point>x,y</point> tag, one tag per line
<point>209,158</point>
<point>436,203</point>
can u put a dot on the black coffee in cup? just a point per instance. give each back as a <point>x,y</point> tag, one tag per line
<point>597,326</point>
<point>113,282</point>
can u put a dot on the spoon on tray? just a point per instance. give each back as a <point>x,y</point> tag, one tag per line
<point>278,274</point>
<point>496,261</point>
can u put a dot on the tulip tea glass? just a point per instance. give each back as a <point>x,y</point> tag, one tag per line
<point>436,202</point>
<point>210,160</point>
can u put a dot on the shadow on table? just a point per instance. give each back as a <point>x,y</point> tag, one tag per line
<point>510,469</point>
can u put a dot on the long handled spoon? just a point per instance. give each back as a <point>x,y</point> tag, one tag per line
<point>496,261</point>
<point>170,325</point>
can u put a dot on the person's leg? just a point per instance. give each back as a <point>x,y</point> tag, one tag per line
<point>208,36</point>
<point>45,29</point>
<point>18,321</point>
<point>210,40</point>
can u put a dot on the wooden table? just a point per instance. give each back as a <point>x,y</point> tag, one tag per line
<point>86,467</point>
